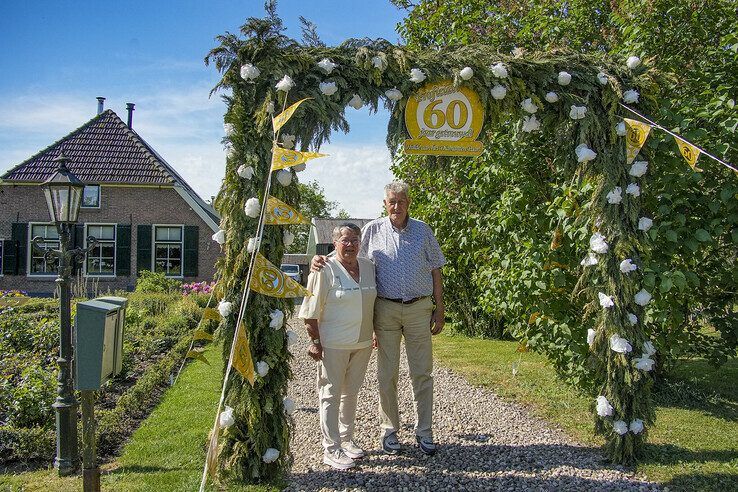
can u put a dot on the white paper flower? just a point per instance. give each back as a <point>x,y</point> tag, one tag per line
<point>262,368</point>
<point>644,363</point>
<point>226,418</point>
<point>648,348</point>
<point>529,106</point>
<point>633,62</point>
<point>597,243</point>
<point>379,63</point>
<point>564,78</point>
<point>225,308</point>
<point>270,107</point>
<point>642,298</point>
<point>638,169</point>
<point>499,70</point>
<point>288,141</point>
<point>356,102</point>
<point>288,238</point>
<point>620,129</point>
<point>270,455</point>
<point>289,405</point>
<point>531,124</point>
<point>602,78</point>
<point>636,426</point>
<point>577,112</point>
<point>328,88</point>
<point>300,167</point>
<point>498,92</point>
<point>276,319</point>
<point>292,338</point>
<point>327,65</point>
<point>605,300</point>
<point>230,151</point>
<point>627,266</point>
<point>552,97</point>
<point>229,129</point>
<point>219,237</point>
<point>252,208</point>
<point>604,409</point>
<point>631,96</point>
<point>246,172</point>
<point>632,319</point>
<point>633,189</point>
<point>466,73</point>
<point>615,196</point>
<point>284,177</point>
<point>417,75</point>
<point>589,260</point>
<point>619,344</point>
<point>285,85</point>
<point>393,94</point>
<point>644,224</point>
<point>517,52</point>
<point>620,427</point>
<point>590,336</point>
<point>249,72</point>
<point>584,153</point>
<point>252,245</point>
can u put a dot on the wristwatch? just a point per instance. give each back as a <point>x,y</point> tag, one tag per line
<point>315,341</point>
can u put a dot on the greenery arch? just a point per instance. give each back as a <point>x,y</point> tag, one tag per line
<point>368,69</point>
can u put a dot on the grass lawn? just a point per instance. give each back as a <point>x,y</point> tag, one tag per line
<point>694,445</point>
<point>166,453</point>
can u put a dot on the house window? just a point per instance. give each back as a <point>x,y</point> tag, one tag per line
<point>2,243</point>
<point>168,250</point>
<point>49,240</point>
<point>91,196</point>
<point>101,260</point>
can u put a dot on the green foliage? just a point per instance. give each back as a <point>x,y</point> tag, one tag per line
<point>313,205</point>
<point>156,282</point>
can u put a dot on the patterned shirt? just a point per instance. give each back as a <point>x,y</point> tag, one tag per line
<point>403,258</point>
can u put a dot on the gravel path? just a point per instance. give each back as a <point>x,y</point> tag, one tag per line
<point>484,442</point>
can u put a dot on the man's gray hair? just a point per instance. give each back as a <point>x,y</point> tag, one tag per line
<point>396,187</point>
<point>338,230</point>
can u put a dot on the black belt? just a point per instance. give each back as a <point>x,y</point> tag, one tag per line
<point>400,301</point>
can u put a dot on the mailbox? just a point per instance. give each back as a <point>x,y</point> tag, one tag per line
<point>95,334</point>
<point>120,331</point>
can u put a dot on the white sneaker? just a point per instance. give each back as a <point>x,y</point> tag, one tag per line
<point>338,460</point>
<point>352,450</point>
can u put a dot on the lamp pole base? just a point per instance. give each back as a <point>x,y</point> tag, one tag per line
<point>91,479</point>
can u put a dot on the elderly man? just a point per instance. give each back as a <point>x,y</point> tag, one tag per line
<point>408,264</point>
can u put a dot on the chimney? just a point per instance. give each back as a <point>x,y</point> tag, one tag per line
<point>100,104</point>
<point>129,107</point>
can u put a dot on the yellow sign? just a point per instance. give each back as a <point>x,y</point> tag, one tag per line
<point>271,281</point>
<point>636,135</point>
<point>444,120</point>
<point>279,213</point>
<point>283,158</point>
<point>283,117</point>
<point>242,360</point>
<point>690,153</point>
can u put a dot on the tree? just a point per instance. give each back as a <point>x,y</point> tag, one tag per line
<point>313,204</point>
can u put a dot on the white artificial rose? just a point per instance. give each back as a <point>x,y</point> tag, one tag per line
<point>642,298</point>
<point>627,266</point>
<point>633,189</point>
<point>498,92</point>
<point>327,65</point>
<point>577,112</point>
<point>225,308</point>
<point>252,207</point>
<point>219,237</point>
<point>620,129</point>
<point>288,238</point>
<point>466,73</point>
<point>620,427</point>
<point>638,169</point>
<point>289,405</point>
<point>619,344</point>
<point>648,348</point>
<point>517,52</point>
<point>230,151</point>
<point>356,102</point>
<point>262,368</point>
<point>286,84</point>
<point>229,129</point>
<point>270,107</point>
<point>284,177</point>
<point>225,419</point>
<point>636,426</point>
<point>499,70</point>
<point>292,338</point>
<point>531,124</point>
<point>602,78</point>
<point>644,363</point>
<point>604,409</point>
<point>597,243</point>
<point>288,141</point>
<point>631,96</point>
<point>246,172</point>
<point>584,153</point>
<point>632,319</point>
<point>252,245</point>
<point>276,319</point>
<point>605,300</point>
<point>529,106</point>
<point>552,97</point>
<point>615,196</point>
<point>564,78</point>
<point>591,336</point>
<point>379,63</point>
<point>644,224</point>
<point>393,94</point>
<point>328,88</point>
<point>249,72</point>
<point>417,75</point>
<point>270,455</point>
<point>589,260</point>
<point>633,62</point>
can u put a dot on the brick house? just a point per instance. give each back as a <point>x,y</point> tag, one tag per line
<point>144,215</point>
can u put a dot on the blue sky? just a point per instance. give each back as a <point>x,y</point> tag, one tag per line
<point>57,56</point>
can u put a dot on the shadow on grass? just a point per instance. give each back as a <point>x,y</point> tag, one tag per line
<point>704,481</point>
<point>669,454</point>
<point>146,469</point>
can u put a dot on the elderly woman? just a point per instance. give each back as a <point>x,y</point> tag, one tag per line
<point>339,320</point>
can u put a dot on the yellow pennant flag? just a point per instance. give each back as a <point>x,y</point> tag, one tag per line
<point>279,213</point>
<point>636,135</point>
<point>269,280</point>
<point>242,360</point>
<point>211,313</point>
<point>197,353</point>
<point>283,158</point>
<point>283,117</point>
<point>690,153</point>
<point>201,334</point>
<point>212,456</point>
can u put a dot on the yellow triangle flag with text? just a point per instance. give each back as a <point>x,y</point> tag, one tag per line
<point>197,353</point>
<point>269,280</point>
<point>283,158</point>
<point>636,135</point>
<point>279,213</point>
<point>242,360</point>
<point>211,313</point>
<point>201,334</point>
<point>690,153</point>
<point>283,117</point>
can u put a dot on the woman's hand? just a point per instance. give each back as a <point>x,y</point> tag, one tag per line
<point>317,263</point>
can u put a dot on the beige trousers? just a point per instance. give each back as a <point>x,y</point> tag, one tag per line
<point>340,376</point>
<point>392,321</point>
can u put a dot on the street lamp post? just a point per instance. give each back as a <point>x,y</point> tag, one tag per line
<point>63,193</point>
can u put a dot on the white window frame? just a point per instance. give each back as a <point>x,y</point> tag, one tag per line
<point>2,255</point>
<point>29,254</point>
<point>153,249</point>
<point>115,250</point>
<point>99,198</point>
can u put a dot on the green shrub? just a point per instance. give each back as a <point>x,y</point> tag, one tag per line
<point>156,282</point>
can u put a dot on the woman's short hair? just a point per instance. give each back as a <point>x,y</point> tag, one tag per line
<point>396,187</point>
<point>338,230</point>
